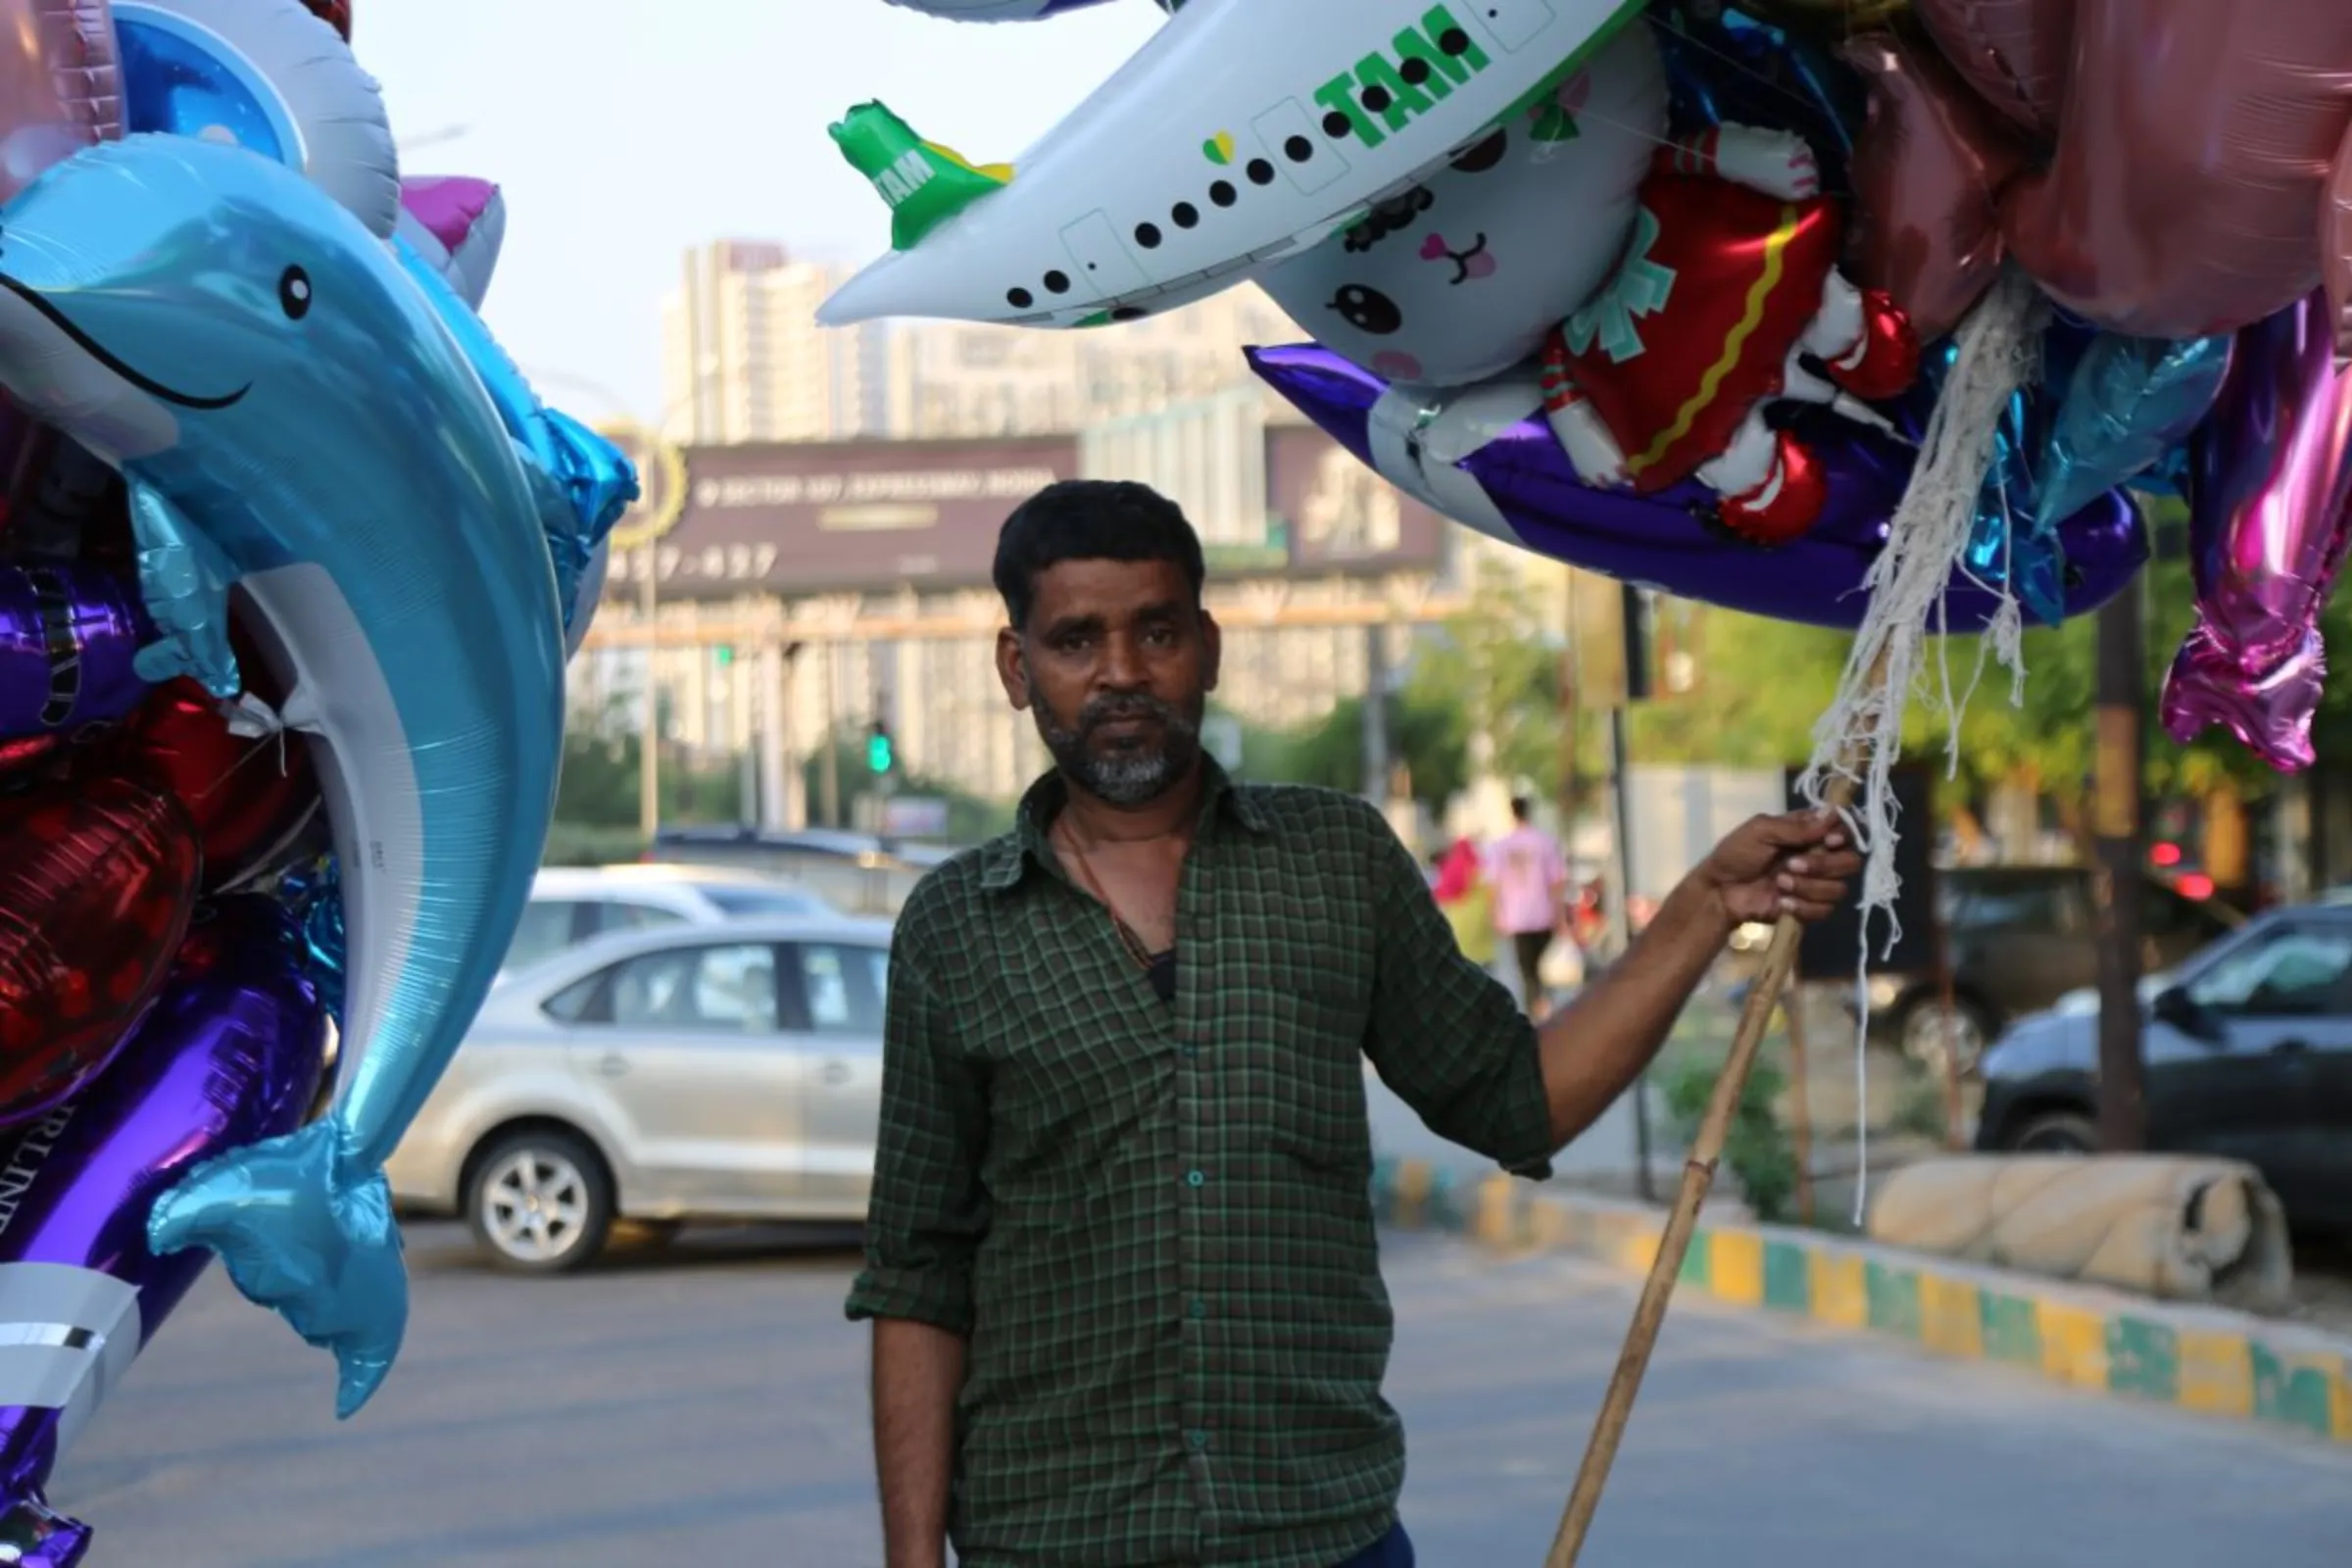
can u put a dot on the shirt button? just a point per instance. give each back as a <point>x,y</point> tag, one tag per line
<point>1199,1439</point>
<point>1197,1308</point>
<point>1193,1178</point>
<point>1190,1050</point>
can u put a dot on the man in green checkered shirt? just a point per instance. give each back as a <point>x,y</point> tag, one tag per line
<point>1120,1259</point>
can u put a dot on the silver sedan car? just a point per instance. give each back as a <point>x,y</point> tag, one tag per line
<point>651,1078</point>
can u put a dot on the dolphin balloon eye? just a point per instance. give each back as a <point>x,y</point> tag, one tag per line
<point>1367,310</point>
<point>294,293</point>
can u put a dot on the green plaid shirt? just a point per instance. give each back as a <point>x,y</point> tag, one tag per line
<point>1154,1223</point>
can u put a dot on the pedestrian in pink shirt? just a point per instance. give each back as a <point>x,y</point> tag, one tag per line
<point>1530,875</point>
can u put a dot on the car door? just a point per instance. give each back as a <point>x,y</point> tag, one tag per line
<point>834,995</point>
<point>683,1051</point>
<point>2275,1021</point>
<point>2022,940</point>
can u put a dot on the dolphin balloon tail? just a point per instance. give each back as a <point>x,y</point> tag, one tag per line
<point>305,1229</point>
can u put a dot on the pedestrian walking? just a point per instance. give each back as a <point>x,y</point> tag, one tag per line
<point>1467,898</point>
<point>1530,872</point>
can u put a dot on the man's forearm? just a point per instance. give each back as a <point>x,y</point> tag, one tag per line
<point>918,1371</point>
<point>1593,1048</point>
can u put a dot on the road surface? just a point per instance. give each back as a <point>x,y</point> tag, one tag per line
<point>705,1407</point>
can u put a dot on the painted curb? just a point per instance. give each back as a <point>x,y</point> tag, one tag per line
<point>2206,1359</point>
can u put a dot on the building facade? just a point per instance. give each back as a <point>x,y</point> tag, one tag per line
<point>744,360</point>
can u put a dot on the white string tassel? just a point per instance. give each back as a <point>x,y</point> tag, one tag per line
<point>1997,349</point>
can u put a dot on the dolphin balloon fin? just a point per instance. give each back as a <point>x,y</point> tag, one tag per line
<point>580,483</point>
<point>924,183</point>
<point>185,581</point>
<point>303,1234</point>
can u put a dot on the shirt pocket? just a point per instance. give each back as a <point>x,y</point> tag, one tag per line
<point>1305,1066</point>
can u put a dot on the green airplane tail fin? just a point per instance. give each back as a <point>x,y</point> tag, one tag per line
<point>924,183</point>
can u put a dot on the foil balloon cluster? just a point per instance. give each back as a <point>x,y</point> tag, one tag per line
<point>1748,349</point>
<point>1678,308</point>
<point>2176,176</point>
<point>289,566</point>
<point>1671,294</point>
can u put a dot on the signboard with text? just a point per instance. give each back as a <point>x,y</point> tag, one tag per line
<point>788,518</point>
<point>828,517</point>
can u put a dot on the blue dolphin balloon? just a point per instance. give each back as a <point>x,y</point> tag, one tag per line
<point>294,423</point>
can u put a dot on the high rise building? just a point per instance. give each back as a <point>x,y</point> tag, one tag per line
<point>963,380</point>
<point>744,360</point>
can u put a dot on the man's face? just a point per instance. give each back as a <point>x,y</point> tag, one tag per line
<point>1116,662</point>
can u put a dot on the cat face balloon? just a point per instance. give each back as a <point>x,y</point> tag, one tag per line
<point>1460,277</point>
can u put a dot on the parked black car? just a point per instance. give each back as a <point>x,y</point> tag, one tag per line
<point>2248,1046</point>
<point>2020,938</point>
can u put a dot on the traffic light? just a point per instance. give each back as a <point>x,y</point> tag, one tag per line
<point>726,655</point>
<point>880,756</point>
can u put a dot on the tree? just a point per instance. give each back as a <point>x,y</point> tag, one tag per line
<point>970,818</point>
<point>1430,739</point>
<point>1490,673</point>
<point>1764,684</point>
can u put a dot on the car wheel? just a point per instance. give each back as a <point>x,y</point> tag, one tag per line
<point>540,1202</point>
<point>2056,1132</point>
<point>1928,1035</point>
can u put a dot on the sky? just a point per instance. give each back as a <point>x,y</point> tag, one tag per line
<point>624,131</point>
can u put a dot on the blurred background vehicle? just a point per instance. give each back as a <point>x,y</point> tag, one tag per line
<point>727,1071</point>
<point>2249,1052</point>
<point>860,874</point>
<point>2019,939</point>
<point>570,904</point>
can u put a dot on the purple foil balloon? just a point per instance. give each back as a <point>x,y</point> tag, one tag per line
<point>67,634</point>
<point>1670,540</point>
<point>231,1054</point>
<point>2270,497</point>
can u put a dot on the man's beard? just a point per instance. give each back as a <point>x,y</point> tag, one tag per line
<point>1131,775</point>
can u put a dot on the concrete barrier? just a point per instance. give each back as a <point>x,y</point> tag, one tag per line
<point>2206,1359</point>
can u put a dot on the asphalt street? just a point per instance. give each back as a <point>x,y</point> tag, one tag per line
<point>705,1406</point>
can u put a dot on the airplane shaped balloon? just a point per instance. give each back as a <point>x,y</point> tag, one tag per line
<point>1238,135</point>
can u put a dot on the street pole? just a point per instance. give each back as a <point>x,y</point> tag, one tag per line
<point>649,743</point>
<point>828,778</point>
<point>2117,829</point>
<point>1376,716</point>
<point>1621,762</point>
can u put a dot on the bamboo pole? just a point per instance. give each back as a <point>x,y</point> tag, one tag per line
<point>1800,1096</point>
<point>1698,1175</point>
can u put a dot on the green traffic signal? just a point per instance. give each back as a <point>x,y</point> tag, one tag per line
<point>878,757</point>
<point>726,655</point>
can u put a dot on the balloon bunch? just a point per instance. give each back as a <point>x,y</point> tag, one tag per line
<point>290,563</point>
<point>1678,305</point>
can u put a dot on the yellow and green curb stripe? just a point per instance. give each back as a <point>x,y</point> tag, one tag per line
<point>2205,1359</point>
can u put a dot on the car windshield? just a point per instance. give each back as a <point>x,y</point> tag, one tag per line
<point>762,900</point>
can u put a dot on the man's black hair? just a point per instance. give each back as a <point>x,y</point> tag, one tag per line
<point>1091,519</point>
<point>1522,807</point>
